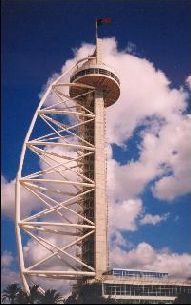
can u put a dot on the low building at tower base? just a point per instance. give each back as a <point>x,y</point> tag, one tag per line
<point>142,286</point>
<point>132,286</point>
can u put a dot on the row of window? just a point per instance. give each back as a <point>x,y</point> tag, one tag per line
<point>95,71</point>
<point>149,290</point>
<point>88,204</point>
<point>138,273</point>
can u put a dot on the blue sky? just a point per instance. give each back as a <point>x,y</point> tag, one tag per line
<point>40,35</point>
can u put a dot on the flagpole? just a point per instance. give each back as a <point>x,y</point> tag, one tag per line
<point>96,40</point>
<point>96,28</point>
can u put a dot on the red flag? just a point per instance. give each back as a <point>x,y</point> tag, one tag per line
<point>103,21</point>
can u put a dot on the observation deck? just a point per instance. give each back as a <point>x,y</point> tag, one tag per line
<point>96,74</point>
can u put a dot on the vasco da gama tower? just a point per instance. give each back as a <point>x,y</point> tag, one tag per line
<point>61,205</point>
<point>63,169</point>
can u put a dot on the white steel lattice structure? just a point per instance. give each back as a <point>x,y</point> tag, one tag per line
<point>68,223</point>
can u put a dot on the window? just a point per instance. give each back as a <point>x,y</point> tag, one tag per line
<point>94,71</point>
<point>144,290</point>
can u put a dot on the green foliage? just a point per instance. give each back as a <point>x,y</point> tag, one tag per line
<point>15,295</point>
<point>10,293</point>
<point>34,296</point>
<point>51,297</point>
<point>22,297</point>
<point>89,294</point>
<point>86,294</point>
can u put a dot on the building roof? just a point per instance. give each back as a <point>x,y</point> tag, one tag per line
<point>139,270</point>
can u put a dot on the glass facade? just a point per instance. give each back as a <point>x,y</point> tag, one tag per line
<point>144,286</point>
<point>94,71</point>
<point>145,290</point>
<point>137,273</point>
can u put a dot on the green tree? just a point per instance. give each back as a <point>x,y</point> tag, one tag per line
<point>34,295</point>
<point>89,294</point>
<point>51,296</point>
<point>22,297</point>
<point>11,292</point>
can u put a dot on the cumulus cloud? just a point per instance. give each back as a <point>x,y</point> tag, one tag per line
<point>129,216</point>
<point>6,259</point>
<point>144,92</point>
<point>156,107</point>
<point>35,252</point>
<point>166,133</point>
<point>28,201</point>
<point>124,215</point>
<point>7,196</point>
<point>175,151</point>
<point>8,276</point>
<point>153,219</point>
<point>118,240</point>
<point>188,81</point>
<point>144,256</point>
<point>162,143</point>
<point>146,101</point>
<point>164,156</point>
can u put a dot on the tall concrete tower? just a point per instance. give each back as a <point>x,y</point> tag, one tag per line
<point>96,74</point>
<point>62,233</point>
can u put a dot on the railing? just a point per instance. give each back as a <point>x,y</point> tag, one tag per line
<point>137,280</point>
<point>94,71</point>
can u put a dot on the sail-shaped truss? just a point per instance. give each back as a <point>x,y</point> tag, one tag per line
<point>62,185</point>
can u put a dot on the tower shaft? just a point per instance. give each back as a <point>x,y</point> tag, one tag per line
<point>98,51</point>
<point>100,186</point>
<point>105,84</point>
<point>94,204</point>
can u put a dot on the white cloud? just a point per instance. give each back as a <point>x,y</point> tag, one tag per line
<point>153,219</point>
<point>117,240</point>
<point>8,276</point>
<point>138,257</point>
<point>129,216</point>
<point>7,197</point>
<point>175,151</point>
<point>137,103</point>
<point>6,259</point>
<point>144,92</point>
<point>144,256</point>
<point>34,252</point>
<point>163,154</point>
<point>28,201</point>
<point>131,178</point>
<point>124,215</point>
<point>188,81</point>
